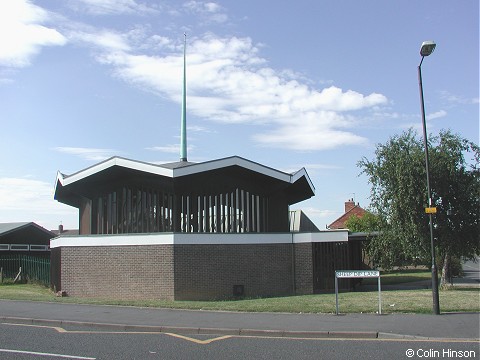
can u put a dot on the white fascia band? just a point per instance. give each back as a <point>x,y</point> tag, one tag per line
<point>198,239</point>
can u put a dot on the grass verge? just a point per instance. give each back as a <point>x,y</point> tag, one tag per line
<point>400,277</point>
<point>402,301</point>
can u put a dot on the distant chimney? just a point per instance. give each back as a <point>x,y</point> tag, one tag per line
<point>60,228</point>
<point>349,205</point>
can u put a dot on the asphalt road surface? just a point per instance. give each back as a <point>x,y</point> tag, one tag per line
<point>471,271</point>
<point>20,341</point>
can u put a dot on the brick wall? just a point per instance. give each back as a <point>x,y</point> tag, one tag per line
<point>210,271</point>
<point>303,269</point>
<point>186,272</point>
<point>55,269</point>
<point>118,272</point>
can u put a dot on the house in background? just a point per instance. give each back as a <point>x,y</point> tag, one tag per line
<point>62,231</point>
<point>357,239</point>
<point>351,209</point>
<point>25,238</point>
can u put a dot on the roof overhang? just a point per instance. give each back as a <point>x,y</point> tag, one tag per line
<point>299,183</point>
<point>362,236</point>
<point>65,180</point>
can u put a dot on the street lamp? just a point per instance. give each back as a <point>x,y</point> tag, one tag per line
<point>427,48</point>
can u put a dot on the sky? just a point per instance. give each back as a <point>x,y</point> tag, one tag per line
<point>288,84</point>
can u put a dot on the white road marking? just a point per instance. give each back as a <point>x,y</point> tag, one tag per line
<point>46,354</point>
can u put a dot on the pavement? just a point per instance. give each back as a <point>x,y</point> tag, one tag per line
<point>119,318</point>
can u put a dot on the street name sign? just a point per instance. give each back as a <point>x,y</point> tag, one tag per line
<point>342,274</point>
<point>355,274</point>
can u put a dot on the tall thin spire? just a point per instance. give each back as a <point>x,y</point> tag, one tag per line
<point>183,126</point>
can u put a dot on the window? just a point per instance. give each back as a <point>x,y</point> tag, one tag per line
<point>19,247</point>
<point>38,248</point>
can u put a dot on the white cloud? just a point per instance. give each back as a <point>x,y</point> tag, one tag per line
<point>6,75</point>
<point>19,196</point>
<point>212,7</point>
<point>21,34</point>
<point>197,128</point>
<point>418,126</point>
<point>322,167</point>
<point>111,7</point>
<point>107,40</point>
<point>436,115</point>
<point>171,149</point>
<point>90,154</point>
<point>228,81</point>
<point>210,10</point>
<point>318,216</point>
<point>19,193</point>
<point>311,168</point>
<point>456,99</point>
<point>301,139</point>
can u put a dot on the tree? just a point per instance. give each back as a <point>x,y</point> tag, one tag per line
<point>457,193</point>
<point>399,196</point>
<point>366,223</point>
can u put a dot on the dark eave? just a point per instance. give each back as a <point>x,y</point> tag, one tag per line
<point>231,171</point>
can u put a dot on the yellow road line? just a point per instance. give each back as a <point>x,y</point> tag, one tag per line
<point>62,330</point>
<point>197,341</point>
<point>58,329</point>
<point>208,341</point>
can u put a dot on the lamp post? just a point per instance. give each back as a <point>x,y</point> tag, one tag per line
<point>427,48</point>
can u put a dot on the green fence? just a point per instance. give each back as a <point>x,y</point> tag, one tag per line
<point>33,268</point>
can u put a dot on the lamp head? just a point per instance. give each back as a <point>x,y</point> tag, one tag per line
<point>427,48</point>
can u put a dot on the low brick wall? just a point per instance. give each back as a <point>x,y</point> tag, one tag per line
<point>118,272</point>
<point>184,268</point>
<point>205,272</point>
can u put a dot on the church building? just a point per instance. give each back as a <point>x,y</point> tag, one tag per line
<point>188,231</point>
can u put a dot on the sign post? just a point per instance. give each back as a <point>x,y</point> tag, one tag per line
<point>352,274</point>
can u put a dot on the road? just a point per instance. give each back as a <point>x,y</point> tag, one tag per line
<point>21,341</point>
<point>471,270</point>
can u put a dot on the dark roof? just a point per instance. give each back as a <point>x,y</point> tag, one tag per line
<point>176,165</point>
<point>66,232</point>
<point>183,167</point>
<point>298,185</point>
<point>6,228</point>
<point>362,236</point>
<point>24,233</point>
